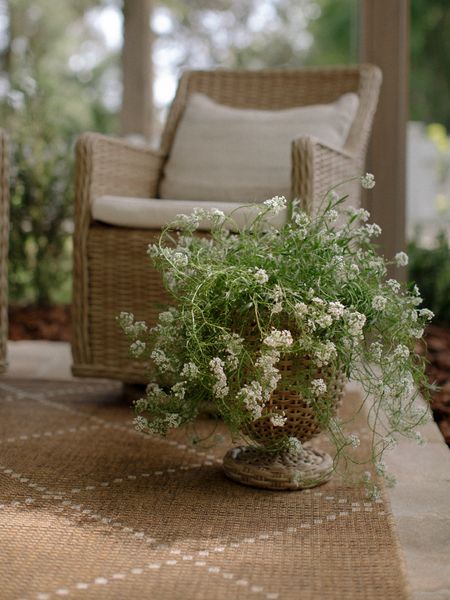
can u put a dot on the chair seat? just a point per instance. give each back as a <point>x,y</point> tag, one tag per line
<point>155,213</point>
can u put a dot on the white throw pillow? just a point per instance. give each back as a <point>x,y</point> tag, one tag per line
<point>243,155</point>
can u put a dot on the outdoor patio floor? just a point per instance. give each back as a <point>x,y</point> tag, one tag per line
<point>420,501</point>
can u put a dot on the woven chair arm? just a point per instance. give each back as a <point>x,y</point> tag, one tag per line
<point>316,167</point>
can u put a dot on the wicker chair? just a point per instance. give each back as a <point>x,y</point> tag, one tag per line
<point>4,236</point>
<point>111,270</point>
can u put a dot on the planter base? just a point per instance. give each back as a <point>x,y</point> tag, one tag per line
<point>282,471</point>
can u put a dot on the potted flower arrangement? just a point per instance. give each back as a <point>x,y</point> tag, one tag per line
<point>268,324</point>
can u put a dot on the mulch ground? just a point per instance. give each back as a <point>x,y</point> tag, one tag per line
<point>53,323</point>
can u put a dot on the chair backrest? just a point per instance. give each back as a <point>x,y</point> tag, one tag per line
<point>276,89</point>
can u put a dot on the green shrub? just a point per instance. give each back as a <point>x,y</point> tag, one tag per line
<point>429,268</point>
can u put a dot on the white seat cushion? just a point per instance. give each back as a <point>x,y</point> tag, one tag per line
<point>155,213</point>
<point>240,155</point>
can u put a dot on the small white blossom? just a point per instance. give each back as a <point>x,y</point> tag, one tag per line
<point>368,181</point>
<point>294,445</point>
<point>324,353</point>
<point>401,259</point>
<point>276,204</point>
<point>137,348</point>
<point>220,387</point>
<point>190,371</point>
<point>356,322</point>
<point>278,339</point>
<point>140,423</point>
<point>179,390</point>
<point>301,309</point>
<point>324,321</point>
<point>352,272</point>
<point>252,397</point>
<point>261,276</point>
<point>394,285</point>
<point>376,350</point>
<point>278,420</point>
<point>336,310</point>
<point>425,312</point>
<point>180,260</point>
<point>354,440</point>
<point>379,303</point>
<point>331,216</point>
<point>417,333</point>
<point>402,352</point>
<point>318,386</point>
<point>161,359</point>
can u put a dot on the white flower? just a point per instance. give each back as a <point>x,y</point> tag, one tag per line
<point>252,397</point>
<point>180,260</point>
<point>137,348</point>
<point>376,350</point>
<point>190,371</point>
<point>401,259</point>
<point>278,339</point>
<point>294,444</point>
<point>356,322</point>
<point>318,301</point>
<point>380,467</point>
<point>336,309</point>
<point>173,420</point>
<point>401,352</point>
<point>301,218</point>
<point>379,303</point>
<point>325,353</point>
<point>417,333</point>
<point>278,420</point>
<point>324,321</point>
<point>261,276</point>
<point>140,423</point>
<point>160,359</point>
<point>220,387</point>
<point>318,386</point>
<point>154,390</point>
<point>276,204</point>
<point>353,272</point>
<point>368,181</point>
<point>394,285</point>
<point>187,221</point>
<point>354,440</point>
<point>270,375</point>
<point>425,312</point>
<point>179,390</point>
<point>168,316</point>
<point>233,347</point>
<point>331,216</point>
<point>301,309</point>
<point>277,297</point>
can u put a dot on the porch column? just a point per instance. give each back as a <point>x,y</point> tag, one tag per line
<point>137,96</point>
<point>385,42</point>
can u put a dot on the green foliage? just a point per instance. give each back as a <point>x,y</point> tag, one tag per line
<point>313,292</point>
<point>430,61</point>
<point>45,106</point>
<point>430,269</point>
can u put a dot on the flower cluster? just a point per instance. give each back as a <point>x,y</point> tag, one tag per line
<point>251,301</point>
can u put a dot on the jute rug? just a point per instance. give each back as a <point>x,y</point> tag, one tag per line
<point>91,509</point>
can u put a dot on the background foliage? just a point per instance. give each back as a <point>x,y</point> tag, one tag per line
<point>59,78</point>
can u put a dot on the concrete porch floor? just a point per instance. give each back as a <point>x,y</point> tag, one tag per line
<point>420,501</point>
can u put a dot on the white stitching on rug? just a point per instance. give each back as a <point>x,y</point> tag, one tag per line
<point>41,398</point>
<point>203,553</point>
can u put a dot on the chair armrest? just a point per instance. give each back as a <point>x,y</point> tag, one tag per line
<point>316,167</point>
<point>104,165</point>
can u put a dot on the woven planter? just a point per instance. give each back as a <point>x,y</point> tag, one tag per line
<point>260,465</point>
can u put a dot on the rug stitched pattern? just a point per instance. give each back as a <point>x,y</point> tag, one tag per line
<point>90,508</point>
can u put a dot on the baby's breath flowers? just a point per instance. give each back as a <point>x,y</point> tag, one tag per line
<point>315,291</point>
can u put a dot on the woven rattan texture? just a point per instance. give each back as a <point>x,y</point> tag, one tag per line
<point>112,166</point>
<point>91,509</point>
<point>4,241</point>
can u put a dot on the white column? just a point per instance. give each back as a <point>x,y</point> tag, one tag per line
<point>385,42</point>
<point>137,98</point>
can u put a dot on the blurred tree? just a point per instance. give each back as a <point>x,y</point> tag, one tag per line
<point>430,61</point>
<point>55,68</point>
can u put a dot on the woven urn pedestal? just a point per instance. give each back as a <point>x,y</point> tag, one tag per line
<point>259,465</point>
